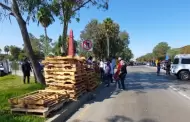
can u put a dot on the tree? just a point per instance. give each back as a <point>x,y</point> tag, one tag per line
<point>160,50</point>
<point>6,49</point>
<point>0,50</point>
<point>45,18</point>
<point>173,52</point>
<point>46,45</point>
<point>17,8</point>
<point>57,47</point>
<point>98,33</point>
<point>185,50</point>
<point>15,52</point>
<point>67,9</point>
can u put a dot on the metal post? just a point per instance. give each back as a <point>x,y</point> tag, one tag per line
<point>108,46</point>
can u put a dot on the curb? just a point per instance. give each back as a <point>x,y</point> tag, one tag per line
<point>71,108</point>
<point>180,92</point>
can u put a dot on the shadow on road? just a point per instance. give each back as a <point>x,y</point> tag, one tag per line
<point>118,118</point>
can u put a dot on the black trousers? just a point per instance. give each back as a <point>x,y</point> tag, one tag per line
<point>26,76</point>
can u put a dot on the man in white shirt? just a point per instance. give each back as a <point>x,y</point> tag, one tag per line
<point>101,69</point>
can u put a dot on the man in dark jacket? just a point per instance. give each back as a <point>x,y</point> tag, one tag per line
<point>123,73</point>
<point>26,69</point>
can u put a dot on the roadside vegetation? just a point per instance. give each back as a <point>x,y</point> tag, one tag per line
<point>11,86</point>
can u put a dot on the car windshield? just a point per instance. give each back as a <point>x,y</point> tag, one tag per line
<point>176,61</point>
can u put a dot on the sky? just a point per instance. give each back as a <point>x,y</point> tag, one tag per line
<point>148,22</point>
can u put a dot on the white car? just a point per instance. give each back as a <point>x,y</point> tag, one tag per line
<point>181,66</point>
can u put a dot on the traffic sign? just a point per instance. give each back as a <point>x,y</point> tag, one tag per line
<point>87,45</point>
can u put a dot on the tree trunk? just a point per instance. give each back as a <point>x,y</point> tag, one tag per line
<point>46,42</point>
<point>65,13</point>
<point>64,37</point>
<point>27,44</point>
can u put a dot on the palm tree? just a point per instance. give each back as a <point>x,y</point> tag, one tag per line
<point>45,18</point>
<point>6,49</point>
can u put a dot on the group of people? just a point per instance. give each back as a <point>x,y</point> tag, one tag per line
<point>168,66</point>
<point>108,74</point>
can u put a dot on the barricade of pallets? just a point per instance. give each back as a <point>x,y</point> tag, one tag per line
<point>38,102</point>
<point>66,78</point>
<point>65,74</point>
<point>91,81</point>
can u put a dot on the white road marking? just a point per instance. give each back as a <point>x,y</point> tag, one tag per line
<point>181,93</point>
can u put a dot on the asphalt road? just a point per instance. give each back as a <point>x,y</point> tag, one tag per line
<point>148,98</point>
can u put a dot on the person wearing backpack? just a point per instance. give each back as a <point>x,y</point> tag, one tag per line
<point>107,73</point>
<point>123,73</point>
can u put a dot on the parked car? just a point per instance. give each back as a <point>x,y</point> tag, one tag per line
<point>181,66</point>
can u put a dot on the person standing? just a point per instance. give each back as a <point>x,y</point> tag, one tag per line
<point>158,68</point>
<point>168,66</point>
<point>116,74</point>
<point>111,72</point>
<point>123,73</point>
<point>107,72</point>
<point>101,65</point>
<point>113,62</point>
<point>26,69</point>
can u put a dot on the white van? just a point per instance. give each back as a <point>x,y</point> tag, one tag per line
<point>181,66</point>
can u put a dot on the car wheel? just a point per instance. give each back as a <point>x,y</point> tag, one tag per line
<point>184,75</point>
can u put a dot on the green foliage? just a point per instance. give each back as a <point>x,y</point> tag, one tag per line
<point>12,86</point>
<point>15,65</point>
<point>44,16</point>
<point>57,47</point>
<point>15,51</point>
<point>160,50</point>
<point>173,52</point>
<point>46,45</point>
<point>98,33</point>
<point>0,50</point>
<point>185,50</point>
<point>6,49</point>
<point>146,57</point>
<point>68,9</point>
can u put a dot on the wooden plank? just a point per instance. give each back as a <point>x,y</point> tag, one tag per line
<point>42,111</point>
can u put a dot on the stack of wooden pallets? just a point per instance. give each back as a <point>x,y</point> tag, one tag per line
<point>38,102</point>
<point>65,74</point>
<point>91,80</point>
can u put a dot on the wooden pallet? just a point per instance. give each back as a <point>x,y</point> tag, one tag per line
<point>65,58</point>
<point>75,97</point>
<point>63,89</point>
<point>68,73</point>
<point>45,112</point>
<point>38,98</point>
<point>64,79</point>
<point>68,69</point>
<point>65,86</point>
<point>46,62</point>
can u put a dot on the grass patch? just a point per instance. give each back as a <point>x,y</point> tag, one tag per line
<point>12,86</point>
